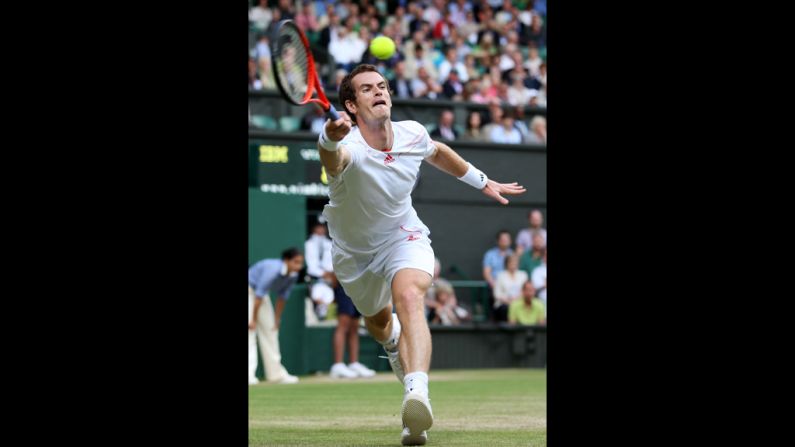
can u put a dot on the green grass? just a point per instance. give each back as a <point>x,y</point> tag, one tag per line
<point>488,407</point>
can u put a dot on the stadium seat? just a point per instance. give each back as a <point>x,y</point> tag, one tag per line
<point>289,123</point>
<point>264,122</point>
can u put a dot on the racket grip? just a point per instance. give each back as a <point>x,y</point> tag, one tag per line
<point>332,113</point>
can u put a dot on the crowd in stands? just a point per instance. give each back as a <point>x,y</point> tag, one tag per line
<point>490,52</point>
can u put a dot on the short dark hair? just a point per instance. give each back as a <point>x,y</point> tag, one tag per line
<point>290,253</point>
<point>499,233</point>
<point>347,93</point>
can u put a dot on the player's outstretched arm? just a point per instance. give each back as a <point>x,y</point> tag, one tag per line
<point>333,156</point>
<point>447,160</point>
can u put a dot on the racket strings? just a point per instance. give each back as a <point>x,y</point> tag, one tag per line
<point>292,65</point>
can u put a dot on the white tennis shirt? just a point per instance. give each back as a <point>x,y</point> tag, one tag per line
<point>370,200</point>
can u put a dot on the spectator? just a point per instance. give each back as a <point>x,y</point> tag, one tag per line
<point>535,222</point>
<point>430,295</point>
<point>539,278</point>
<point>287,9</point>
<point>538,130</point>
<point>494,118</point>
<point>533,257</point>
<point>399,84</point>
<point>471,67</point>
<point>529,310</point>
<point>263,49</point>
<point>533,62</point>
<point>253,80</point>
<point>260,16</point>
<point>424,86</point>
<point>306,19</point>
<point>445,129</point>
<point>519,123</point>
<point>348,49</point>
<point>536,35</point>
<point>452,87</point>
<point>265,278</point>
<point>458,12</point>
<point>330,33</point>
<point>473,132</point>
<point>417,56</point>
<point>318,268</point>
<point>506,133</point>
<point>508,287</point>
<point>448,312</point>
<point>494,258</point>
<point>450,63</point>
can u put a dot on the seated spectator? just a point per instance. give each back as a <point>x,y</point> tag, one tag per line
<point>529,310</point>
<point>474,131</point>
<point>506,133</point>
<point>538,130</point>
<point>524,238</point>
<point>451,63</point>
<point>494,260</point>
<point>424,86</point>
<point>260,16</point>
<point>534,257</point>
<point>253,81</point>
<point>400,85</point>
<point>539,278</point>
<point>447,311</point>
<point>306,19</point>
<point>452,87</point>
<point>445,129</point>
<point>508,287</point>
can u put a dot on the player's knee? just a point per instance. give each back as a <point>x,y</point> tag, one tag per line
<point>411,298</point>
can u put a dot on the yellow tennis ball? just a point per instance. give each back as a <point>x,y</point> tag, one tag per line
<point>382,47</point>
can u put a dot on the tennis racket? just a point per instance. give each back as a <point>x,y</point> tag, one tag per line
<point>294,68</point>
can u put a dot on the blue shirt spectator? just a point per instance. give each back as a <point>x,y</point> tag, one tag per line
<point>494,259</point>
<point>270,276</point>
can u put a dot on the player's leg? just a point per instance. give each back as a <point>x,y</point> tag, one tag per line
<point>408,292</point>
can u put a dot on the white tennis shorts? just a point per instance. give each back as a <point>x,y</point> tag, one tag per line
<point>367,278</point>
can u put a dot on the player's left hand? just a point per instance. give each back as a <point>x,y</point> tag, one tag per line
<point>495,190</point>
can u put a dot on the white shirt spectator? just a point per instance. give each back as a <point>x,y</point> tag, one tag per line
<point>347,49</point>
<point>500,135</point>
<point>508,286</point>
<point>539,279</point>
<point>317,252</point>
<point>446,66</point>
<point>260,16</point>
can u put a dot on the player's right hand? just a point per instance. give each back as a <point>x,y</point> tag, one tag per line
<point>336,130</point>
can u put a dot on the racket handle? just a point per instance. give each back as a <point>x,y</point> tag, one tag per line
<point>332,113</point>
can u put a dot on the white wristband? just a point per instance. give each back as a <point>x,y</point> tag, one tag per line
<point>327,144</point>
<point>474,177</point>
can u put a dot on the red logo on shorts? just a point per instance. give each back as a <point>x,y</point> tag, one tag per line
<point>413,237</point>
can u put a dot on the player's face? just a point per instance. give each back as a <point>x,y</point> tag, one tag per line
<point>373,101</point>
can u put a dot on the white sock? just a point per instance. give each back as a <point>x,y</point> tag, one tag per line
<point>416,382</point>
<point>391,343</point>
